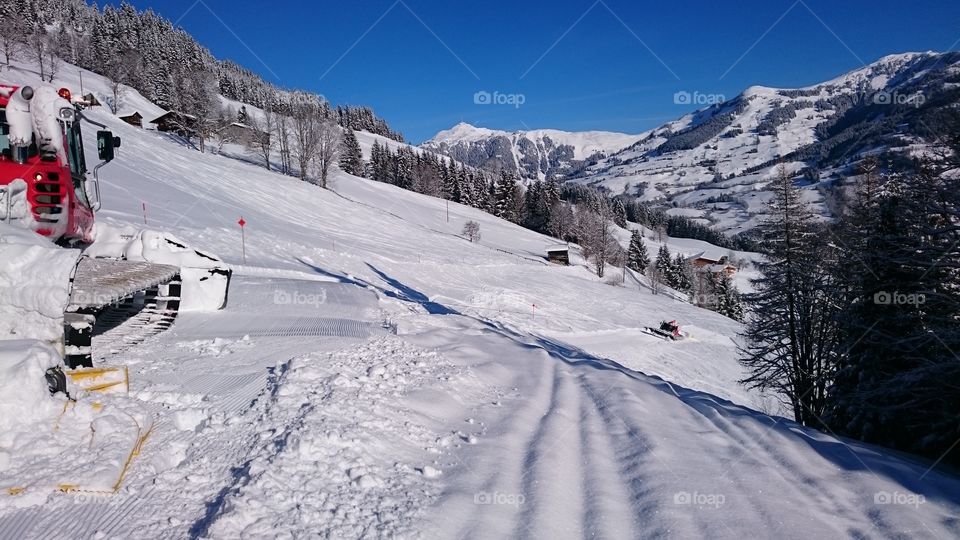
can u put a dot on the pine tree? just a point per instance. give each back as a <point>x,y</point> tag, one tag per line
<point>664,265</point>
<point>897,381</point>
<point>727,298</point>
<point>637,257</point>
<point>619,213</point>
<point>681,274</point>
<point>536,208</point>
<point>451,183</point>
<point>351,156</point>
<point>503,196</point>
<point>403,168</point>
<point>791,339</point>
<point>380,163</point>
<point>461,191</point>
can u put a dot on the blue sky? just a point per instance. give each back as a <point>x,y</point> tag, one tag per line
<point>578,65</point>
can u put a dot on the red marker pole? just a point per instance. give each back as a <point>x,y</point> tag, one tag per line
<point>144,213</point>
<point>243,238</point>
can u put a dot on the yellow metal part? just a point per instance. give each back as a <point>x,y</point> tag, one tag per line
<point>142,437</point>
<point>104,379</point>
<point>14,491</point>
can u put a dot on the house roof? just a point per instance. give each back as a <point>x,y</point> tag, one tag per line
<point>173,113</point>
<point>557,248</point>
<point>712,256</point>
<point>127,114</point>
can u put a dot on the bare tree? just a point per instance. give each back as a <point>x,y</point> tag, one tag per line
<point>655,277</point>
<point>117,74</point>
<point>11,38</point>
<point>199,100</point>
<point>122,71</point>
<point>600,246</point>
<point>305,130</point>
<point>328,148</point>
<point>282,131</point>
<point>471,230</point>
<point>262,141</point>
<point>561,221</point>
<point>53,58</point>
<point>38,45</point>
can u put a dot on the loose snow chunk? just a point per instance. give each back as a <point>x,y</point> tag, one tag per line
<point>24,397</point>
<point>190,419</point>
<point>429,472</point>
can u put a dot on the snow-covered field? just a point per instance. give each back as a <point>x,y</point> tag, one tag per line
<point>375,374</point>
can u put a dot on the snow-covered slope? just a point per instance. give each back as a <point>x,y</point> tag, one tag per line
<point>717,161</point>
<point>443,388</point>
<point>533,154</point>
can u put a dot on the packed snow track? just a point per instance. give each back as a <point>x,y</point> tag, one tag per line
<point>198,380</point>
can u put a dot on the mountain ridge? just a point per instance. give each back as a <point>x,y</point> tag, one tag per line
<point>713,163</point>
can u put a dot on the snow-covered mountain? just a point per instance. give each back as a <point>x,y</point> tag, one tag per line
<point>534,154</point>
<point>715,163</point>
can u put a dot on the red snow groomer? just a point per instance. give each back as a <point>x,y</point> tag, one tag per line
<point>667,330</point>
<point>43,170</point>
<point>44,186</point>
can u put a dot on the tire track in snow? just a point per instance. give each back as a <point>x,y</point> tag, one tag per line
<point>507,475</point>
<point>608,514</point>
<point>547,460</point>
<point>632,457</point>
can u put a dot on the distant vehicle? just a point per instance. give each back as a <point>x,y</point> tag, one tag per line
<point>667,330</point>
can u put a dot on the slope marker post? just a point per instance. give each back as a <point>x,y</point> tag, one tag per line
<point>243,238</point>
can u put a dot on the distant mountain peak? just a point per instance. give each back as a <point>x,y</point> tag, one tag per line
<point>532,154</point>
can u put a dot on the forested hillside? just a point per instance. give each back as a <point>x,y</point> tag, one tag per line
<point>149,53</point>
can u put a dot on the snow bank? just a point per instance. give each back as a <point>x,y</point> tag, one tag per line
<point>34,285</point>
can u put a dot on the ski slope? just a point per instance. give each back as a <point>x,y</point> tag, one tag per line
<point>375,374</point>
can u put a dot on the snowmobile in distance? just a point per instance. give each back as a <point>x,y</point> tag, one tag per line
<point>668,330</point>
